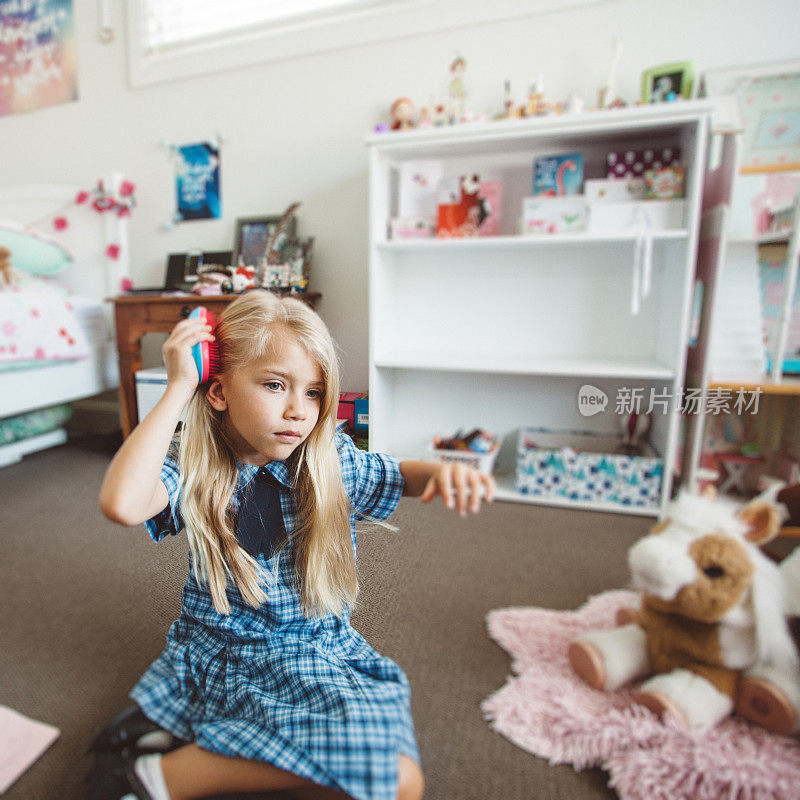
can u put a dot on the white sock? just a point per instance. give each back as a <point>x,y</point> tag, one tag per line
<point>159,740</point>
<point>148,770</point>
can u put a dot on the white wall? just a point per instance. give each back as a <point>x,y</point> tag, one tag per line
<point>295,128</point>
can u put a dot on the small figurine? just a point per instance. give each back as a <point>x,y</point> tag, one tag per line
<point>508,102</point>
<point>574,104</point>
<point>425,119</point>
<point>510,111</point>
<point>402,113</point>
<point>536,104</point>
<point>441,116</point>
<point>458,88</point>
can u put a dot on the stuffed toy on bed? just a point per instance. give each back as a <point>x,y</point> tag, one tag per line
<point>711,634</point>
<point>7,275</point>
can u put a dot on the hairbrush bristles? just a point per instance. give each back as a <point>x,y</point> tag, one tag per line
<point>205,354</point>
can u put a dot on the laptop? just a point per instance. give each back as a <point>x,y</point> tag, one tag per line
<point>181,272</point>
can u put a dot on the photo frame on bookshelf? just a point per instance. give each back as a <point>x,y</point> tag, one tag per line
<point>668,82</point>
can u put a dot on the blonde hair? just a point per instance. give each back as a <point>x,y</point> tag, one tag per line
<point>323,552</point>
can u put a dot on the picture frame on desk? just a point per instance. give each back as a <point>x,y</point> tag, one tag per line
<point>278,276</point>
<point>252,234</point>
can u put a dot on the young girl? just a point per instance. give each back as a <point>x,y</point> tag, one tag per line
<point>263,681</point>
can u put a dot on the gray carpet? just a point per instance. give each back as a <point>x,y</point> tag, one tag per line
<point>86,605</point>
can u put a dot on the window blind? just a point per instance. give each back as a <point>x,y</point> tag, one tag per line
<point>170,23</point>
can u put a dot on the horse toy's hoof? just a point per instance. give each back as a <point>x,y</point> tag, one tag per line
<point>660,705</point>
<point>765,704</point>
<point>588,663</point>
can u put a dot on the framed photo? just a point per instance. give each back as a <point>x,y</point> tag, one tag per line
<point>278,276</point>
<point>767,112</point>
<point>668,82</point>
<point>252,234</point>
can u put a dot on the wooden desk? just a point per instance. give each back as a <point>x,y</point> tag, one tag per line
<point>137,315</point>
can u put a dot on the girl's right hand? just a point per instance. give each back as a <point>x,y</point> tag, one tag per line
<point>177,351</point>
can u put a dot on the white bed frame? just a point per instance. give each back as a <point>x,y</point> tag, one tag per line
<point>91,274</point>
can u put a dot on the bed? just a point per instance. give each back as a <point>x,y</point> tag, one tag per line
<point>56,332</point>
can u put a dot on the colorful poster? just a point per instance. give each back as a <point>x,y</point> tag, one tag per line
<point>38,65</point>
<point>197,182</point>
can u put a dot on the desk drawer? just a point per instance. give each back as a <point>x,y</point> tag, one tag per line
<point>175,312</point>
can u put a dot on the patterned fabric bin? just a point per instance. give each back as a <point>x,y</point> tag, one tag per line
<point>581,467</point>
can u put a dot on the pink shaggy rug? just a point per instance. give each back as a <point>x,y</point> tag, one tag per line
<point>546,709</point>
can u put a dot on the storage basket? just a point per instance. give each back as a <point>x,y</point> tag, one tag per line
<point>582,467</point>
<point>483,462</point>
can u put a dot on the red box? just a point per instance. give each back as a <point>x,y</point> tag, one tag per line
<point>347,407</point>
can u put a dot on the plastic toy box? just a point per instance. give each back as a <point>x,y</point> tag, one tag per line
<point>150,385</point>
<point>581,466</point>
<point>483,462</point>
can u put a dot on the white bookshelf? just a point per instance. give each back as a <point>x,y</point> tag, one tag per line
<point>501,332</point>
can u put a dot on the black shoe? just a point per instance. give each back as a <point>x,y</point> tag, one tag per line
<point>125,730</point>
<point>112,776</point>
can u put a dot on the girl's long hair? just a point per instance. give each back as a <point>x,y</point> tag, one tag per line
<point>323,552</point>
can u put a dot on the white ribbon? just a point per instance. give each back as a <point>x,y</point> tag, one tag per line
<point>642,278</point>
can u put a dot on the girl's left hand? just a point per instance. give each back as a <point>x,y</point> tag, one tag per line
<point>460,487</point>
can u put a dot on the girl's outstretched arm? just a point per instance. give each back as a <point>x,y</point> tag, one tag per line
<point>132,491</point>
<point>459,486</point>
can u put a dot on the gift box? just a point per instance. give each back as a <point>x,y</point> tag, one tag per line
<point>418,188</point>
<point>582,467</point>
<point>541,215</point>
<point>652,215</point>
<point>615,190</point>
<point>460,209</point>
<point>622,163</point>
<point>664,184</point>
<point>411,228</point>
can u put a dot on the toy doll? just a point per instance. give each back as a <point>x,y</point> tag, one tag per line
<point>402,113</point>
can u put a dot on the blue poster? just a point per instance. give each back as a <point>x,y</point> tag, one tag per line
<point>197,182</point>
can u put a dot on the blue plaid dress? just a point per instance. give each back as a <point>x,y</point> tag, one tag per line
<point>307,695</point>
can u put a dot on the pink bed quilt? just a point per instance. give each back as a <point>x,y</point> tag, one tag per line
<point>38,324</point>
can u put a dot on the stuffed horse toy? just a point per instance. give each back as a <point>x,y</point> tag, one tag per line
<point>711,634</point>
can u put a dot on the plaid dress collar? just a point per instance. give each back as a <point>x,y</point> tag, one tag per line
<point>278,469</point>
